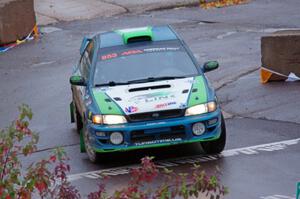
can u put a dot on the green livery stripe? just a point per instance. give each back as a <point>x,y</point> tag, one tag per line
<point>135,32</point>
<point>106,105</point>
<point>200,96</point>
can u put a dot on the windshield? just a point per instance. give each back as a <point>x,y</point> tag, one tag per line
<point>140,63</point>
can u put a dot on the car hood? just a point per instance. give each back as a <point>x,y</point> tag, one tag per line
<point>151,96</point>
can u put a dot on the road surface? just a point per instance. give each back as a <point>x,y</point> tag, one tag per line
<point>261,159</point>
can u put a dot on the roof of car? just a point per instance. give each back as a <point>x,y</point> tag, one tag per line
<point>125,36</point>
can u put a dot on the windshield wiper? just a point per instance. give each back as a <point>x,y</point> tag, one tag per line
<point>149,79</point>
<point>153,79</point>
<point>111,83</point>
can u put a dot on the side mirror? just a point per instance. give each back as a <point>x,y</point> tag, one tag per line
<point>210,65</point>
<point>84,43</point>
<point>77,80</point>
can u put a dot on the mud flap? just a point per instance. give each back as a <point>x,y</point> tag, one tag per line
<point>298,191</point>
<point>72,112</point>
<point>82,145</point>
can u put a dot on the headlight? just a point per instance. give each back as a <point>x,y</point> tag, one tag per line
<point>114,119</point>
<point>109,119</point>
<point>201,108</point>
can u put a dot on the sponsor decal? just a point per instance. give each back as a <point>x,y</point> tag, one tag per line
<point>160,49</point>
<point>190,81</point>
<point>152,97</point>
<point>103,89</point>
<point>131,109</point>
<point>125,53</point>
<point>182,105</point>
<point>155,123</point>
<point>164,105</point>
<point>131,52</point>
<point>109,56</point>
<point>158,141</point>
<point>137,51</point>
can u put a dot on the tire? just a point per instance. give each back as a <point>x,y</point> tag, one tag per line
<point>78,120</point>
<point>93,155</point>
<point>216,146</point>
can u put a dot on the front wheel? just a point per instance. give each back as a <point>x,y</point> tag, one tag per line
<point>92,154</point>
<point>216,146</point>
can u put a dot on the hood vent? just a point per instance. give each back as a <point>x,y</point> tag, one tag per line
<point>138,39</point>
<point>149,88</point>
<point>185,91</point>
<point>117,99</point>
<point>194,90</point>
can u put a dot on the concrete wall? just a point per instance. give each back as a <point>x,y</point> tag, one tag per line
<point>281,52</point>
<point>17,19</point>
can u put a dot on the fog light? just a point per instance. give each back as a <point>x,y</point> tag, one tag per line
<point>212,121</point>
<point>100,134</point>
<point>116,138</point>
<point>198,128</point>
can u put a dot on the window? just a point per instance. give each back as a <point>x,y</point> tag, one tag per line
<point>90,49</point>
<point>86,60</point>
<point>147,61</point>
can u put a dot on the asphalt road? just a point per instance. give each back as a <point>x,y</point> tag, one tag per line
<point>263,121</point>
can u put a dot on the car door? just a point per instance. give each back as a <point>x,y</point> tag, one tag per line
<point>83,70</point>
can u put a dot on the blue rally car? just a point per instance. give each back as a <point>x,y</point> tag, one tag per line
<point>141,88</point>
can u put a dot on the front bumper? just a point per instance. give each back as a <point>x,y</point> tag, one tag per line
<point>156,133</point>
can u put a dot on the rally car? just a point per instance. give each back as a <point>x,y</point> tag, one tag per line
<point>140,88</point>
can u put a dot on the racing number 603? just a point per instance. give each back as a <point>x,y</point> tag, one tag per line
<point>109,56</point>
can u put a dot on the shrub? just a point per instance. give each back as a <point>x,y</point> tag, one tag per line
<point>47,178</point>
<point>183,185</point>
<point>38,178</point>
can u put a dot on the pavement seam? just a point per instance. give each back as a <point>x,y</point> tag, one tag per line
<point>186,22</point>
<point>51,148</point>
<point>161,8</point>
<point>237,116</point>
<point>51,17</point>
<point>119,5</point>
<point>236,78</point>
<point>257,27</point>
<point>169,7</point>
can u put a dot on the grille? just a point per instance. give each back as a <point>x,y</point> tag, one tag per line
<point>173,133</point>
<point>157,115</point>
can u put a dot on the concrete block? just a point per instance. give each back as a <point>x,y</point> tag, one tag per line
<point>281,52</point>
<point>17,19</point>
